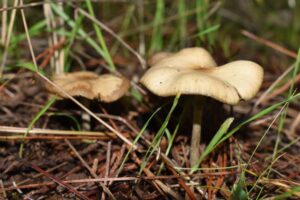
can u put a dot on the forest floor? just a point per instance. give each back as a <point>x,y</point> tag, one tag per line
<point>50,149</point>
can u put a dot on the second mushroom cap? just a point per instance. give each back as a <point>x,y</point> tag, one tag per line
<point>106,88</point>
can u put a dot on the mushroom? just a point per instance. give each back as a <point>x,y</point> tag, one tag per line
<point>193,71</point>
<point>106,88</point>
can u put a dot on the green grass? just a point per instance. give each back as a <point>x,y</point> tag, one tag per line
<point>223,133</point>
<point>156,43</point>
<point>71,40</point>
<point>200,16</point>
<point>238,192</point>
<point>282,119</point>
<point>157,139</point>
<point>204,25</point>
<point>80,32</point>
<point>34,30</point>
<point>213,143</point>
<point>137,138</point>
<point>170,138</point>
<point>129,16</point>
<point>182,22</point>
<point>284,113</point>
<point>100,38</point>
<point>283,116</point>
<point>50,102</point>
<point>288,194</point>
<point>71,117</point>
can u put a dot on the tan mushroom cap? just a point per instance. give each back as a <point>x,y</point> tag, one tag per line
<point>106,88</point>
<point>189,58</point>
<point>179,73</point>
<point>158,57</point>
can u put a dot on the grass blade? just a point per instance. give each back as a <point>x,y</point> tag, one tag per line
<point>35,119</point>
<point>137,138</point>
<point>259,115</point>
<point>158,136</point>
<point>101,40</point>
<point>80,31</point>
<point>238,192</point>
<point>214,142</point>
<point>157,36</point>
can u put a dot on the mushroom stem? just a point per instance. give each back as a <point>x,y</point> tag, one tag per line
<point>196,131</point>
<point>85,117</point>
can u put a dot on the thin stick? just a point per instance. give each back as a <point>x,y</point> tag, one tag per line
<point>119,179</point>
<point>105,189</point>
<point>263,96</point>
<point>61,53</point>
<point>281,89</point>
<point>160,186</point>
<point>4,22</point>
<point>268,43</point>
<point>3,190</point>
<point>40,3</point>
<point>187,177</point>
<point>95,165</point>
<point>18,130</point>
<point>49,17</point>
<point>278,48</point>
<point>57,62</point>
<point>140,9</point>
<point>295,124</point>
<point>40,174</point>
<point>108,156</point>
<point>42,137</point>
<point>8,36</point>
<point>58,181</point>
<point>28,37</point>
<point>107,164</point>
<point>182,183</point>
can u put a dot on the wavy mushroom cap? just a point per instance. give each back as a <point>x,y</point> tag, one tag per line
<point>106,88</point>
<point>158,57</point>
<point>229,83</point>
<point>189,58</point>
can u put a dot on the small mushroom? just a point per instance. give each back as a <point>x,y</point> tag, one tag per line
<point>106,88</point>
<point>193,71</point>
